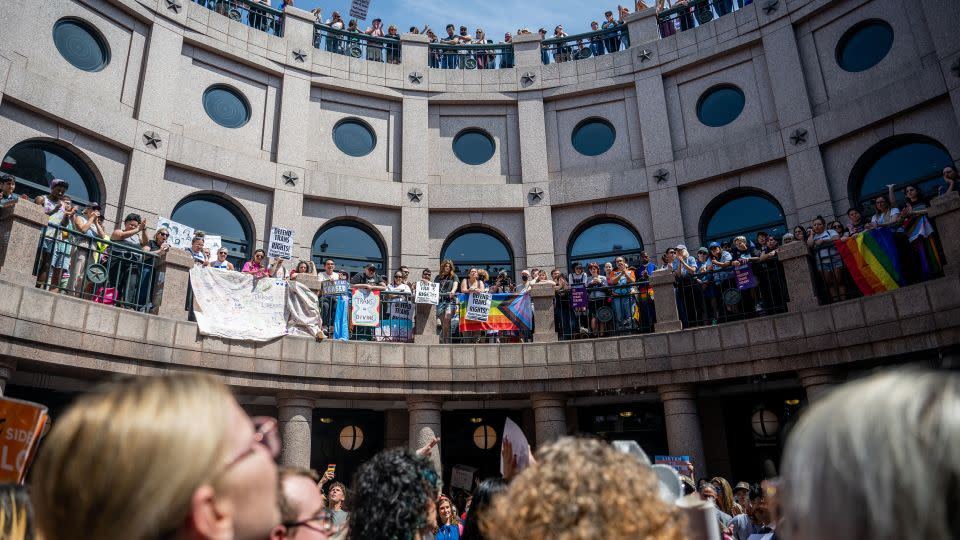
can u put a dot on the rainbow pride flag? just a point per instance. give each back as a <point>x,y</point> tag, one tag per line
<point>508,311</point>
<point>871,258</point>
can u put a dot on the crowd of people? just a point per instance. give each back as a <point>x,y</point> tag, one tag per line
<point>175,456</point>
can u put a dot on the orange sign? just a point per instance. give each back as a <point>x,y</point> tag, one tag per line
<point>21,424</point>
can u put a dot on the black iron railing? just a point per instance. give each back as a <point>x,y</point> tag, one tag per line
<point>736,293</point>
<point>580,46</point>
<point>694,13</point>
<point>477,56</point>
<point>257,15</point>
<point>601,311</point>
<point>357,44</point>
<point>112,273</point>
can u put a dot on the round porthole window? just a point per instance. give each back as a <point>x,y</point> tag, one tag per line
<point>484,437</point>
<point>473,146</point>
<point>354,138</point>
<point>351,438</point>
<point>593,137</point>
<point>81,45</point>
<point>226,106</point>
<point>864,45</point>
<point>720,105</point>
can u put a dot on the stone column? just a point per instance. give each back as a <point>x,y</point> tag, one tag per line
<point>550,417</point>
<point>526,53</point>
<point>7,368</point>
<point>295,415</point>
<point>396,424</point>
<point>665,300</point>
<point>414,156</point>
<point>537,215</point>
<point>643,26</point>
<point>683,424</point>
<point>542,296</point>
<point>173,282</point>
<point>21,224</point>
<point>798,276</point>
<point>425,325</point>
<point>818,381</point>
<point>945,212</point>
<point>424,414</point>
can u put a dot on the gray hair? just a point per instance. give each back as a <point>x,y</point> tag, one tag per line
<point>878,459</point>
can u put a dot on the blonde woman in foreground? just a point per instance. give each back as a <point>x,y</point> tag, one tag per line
<point>168,457</point>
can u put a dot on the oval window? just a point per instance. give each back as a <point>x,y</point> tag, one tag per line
<point>864,45</point>
<point>354,138</point>
<point>720,105</point>
<point>226,106</point>
<point>593,137</point>
<point>473,146</point>
<point>81,45</point>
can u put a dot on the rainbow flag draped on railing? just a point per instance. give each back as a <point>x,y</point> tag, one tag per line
<point>871,258</point>
<point>508,311</point>
<point>920,232</point>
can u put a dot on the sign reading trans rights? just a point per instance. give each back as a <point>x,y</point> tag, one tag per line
<point>359,8</point>
<point>281,243</point>
<point>478,307</point>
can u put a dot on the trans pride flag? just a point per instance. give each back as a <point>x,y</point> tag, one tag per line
<point>508,311</point>
<point>871,258</point>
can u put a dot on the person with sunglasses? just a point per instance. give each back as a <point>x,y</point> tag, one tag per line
<point>167,456</point>
<point>259,267</point>
<point>302,511</point>
<point>221,261</point>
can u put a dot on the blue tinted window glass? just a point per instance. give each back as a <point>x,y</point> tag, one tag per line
<point>864,46</point>
<point>720,105</point>
<point>350,246</point>
<point>216,218</point>
<point>473,147</point>
<point>477,249</point>
<point>38,163</point>
<point>80,45</point>
<point>593,137</point>
<point>917,162</point>
<point>354,138</point>
<point>226,106</point>
<point>745,216</point>
<point>603,243</point>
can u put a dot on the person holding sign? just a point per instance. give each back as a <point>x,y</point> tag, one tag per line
<point>473,284</point>
<point>449,286</point>
<point>370,280</point>
<point>257,267</point>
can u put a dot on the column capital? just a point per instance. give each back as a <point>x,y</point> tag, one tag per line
<point>424,403</point>
<point>295,401</point>
<point>671,392</point>
<point>548,399</point>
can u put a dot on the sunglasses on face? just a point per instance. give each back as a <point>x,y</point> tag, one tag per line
<point>163,234</point>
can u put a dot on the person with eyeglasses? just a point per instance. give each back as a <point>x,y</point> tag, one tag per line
<point>302,511</point>
<point>168,456</point>
<point>259,265</point>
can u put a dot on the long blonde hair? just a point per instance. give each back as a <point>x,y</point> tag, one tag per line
<point>125,460</point>
<point>15,513</point>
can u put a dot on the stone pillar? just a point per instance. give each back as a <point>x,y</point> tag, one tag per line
<point>683,424</point>
<point>7,368</point>
<point>396,424</point>
<point>665,300</point>
<point>537,216</point>
<point>415,50</point>
<point>295,415</point>
<point>941,19</point>
<point>414,155</point>
<point>945,212</point>
<point>425,325</point>
<point>798,276</point>
<point>424,424</point>
<point>818,381</point>
<point>550,417</point>
<point>526,53</point>
<point>542,296</point>
<point>173,282</point>
<point>161,71</point>
<point>21,224</point>
<point>643,26</point>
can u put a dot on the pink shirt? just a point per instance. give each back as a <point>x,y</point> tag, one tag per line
<point>256,269</point>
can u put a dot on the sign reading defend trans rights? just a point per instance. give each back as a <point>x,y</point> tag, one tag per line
<point>281,243</point>
<point>359,8</point>
<point>478,307</point>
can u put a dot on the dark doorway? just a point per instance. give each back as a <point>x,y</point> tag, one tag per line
<point>640,422</point>
<point>345,437</point>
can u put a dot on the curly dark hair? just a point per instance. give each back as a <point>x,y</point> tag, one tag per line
<point>390,496</point>
<point>482,496</point>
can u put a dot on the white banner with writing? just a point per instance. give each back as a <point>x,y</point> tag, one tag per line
<point>233,305</point>
<point>478,307</point>
<point>180,234</point>
<point>366,307</point>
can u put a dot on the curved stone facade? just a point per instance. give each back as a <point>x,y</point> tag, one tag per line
<point>140,125</point>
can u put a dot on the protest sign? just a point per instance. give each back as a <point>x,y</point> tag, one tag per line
<point>478,307</point>
<point>518,441</point>
<point>233,305</point>
<point>281,243</point>
<point>401,309</point>
<point>427,293</point>
<point>578,297</point>
<point>462,477</point>
<point>681,464</point>
<point>366,307</point>
<point>745,277</point>
<point>213,243</point>
<point>508,311</point>
<point>359,8</point>
<point>180,234</point>
<point>21,424</point>
<point>334,287</point>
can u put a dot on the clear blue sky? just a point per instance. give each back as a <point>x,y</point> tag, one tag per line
<point>494,16</point>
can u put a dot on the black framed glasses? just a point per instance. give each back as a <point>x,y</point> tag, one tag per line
<point>322,522</point>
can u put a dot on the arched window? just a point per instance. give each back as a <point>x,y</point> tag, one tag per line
<point>219,217</point>
<point>741,213</point>
<point>900,160</point>
<point>36,163</point>
<point>475,247</point>
<point>604,240</point>
<point>352,245</point>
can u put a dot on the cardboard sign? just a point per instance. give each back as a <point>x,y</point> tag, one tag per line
<point>213,243</point>
<point>21,424</point>
<point>401,309</point>
<point>180,235</point>
<point>281,243</point>
<point>678,463</point>
<point>478,307</point>
<point>518,441</point>
<point>745,277</point>
<point>366,307</point>
<point>578,297</point>
<point>427,293</point>
<point>334,287</point>
<point>359,8</point>
<point>462,477</point>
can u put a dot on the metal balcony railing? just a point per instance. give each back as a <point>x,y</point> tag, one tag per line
<point>603,311</point>
<point>580,46</point>
<point>693,13</point>
<point>357,44</point>
<point>476,56</point>
<point>260,16</point>
<point>752,290</point>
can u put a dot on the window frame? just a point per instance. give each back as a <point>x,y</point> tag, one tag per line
<point>235,210</point>
<point>97,35</point>
<point>362,123</point>
<point>480,131</point>
<point>464,265</point>
<point>712,90</point>
<point>237,93</point>
<point>85,171</point>
<point>593,119</point>
<point>318,256</point>
<point>849,33</point>
<point>604,256</point>
<point>728,197</point>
